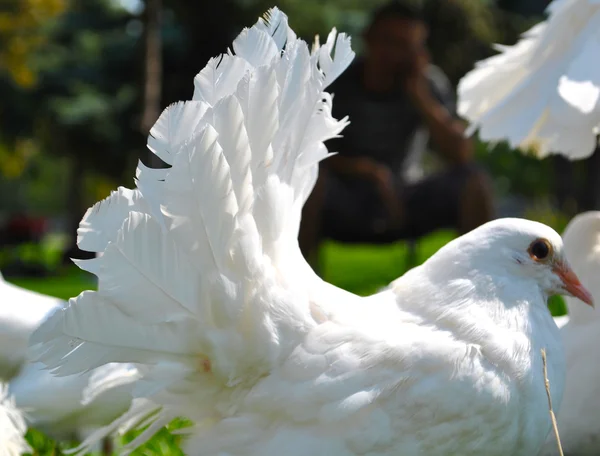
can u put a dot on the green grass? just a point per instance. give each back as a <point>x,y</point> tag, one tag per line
<point>361,269</point>
<point>67,284</point>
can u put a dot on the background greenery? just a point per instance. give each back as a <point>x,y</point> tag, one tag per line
<point>72,77</point>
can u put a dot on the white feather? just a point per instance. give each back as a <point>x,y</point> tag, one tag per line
<point>102,221</point>
<point>69,407</point>
<point>544,92</point>
<point>12,427</point>
<point>172,128</point>
<point>21,312</point>
<point>62,407</point>
<point>223,189</point>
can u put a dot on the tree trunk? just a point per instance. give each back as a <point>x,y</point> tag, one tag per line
<point>565,186</point>
<point>75,207</point>
<point>152,69</point>
<point>590,197</point>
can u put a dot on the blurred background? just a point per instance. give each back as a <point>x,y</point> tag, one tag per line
<point>81,83</point>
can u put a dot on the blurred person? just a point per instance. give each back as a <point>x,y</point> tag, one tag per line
<point>392,95</point>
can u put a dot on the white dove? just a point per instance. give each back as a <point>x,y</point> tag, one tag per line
<point>580,330</point>
<point>12,427</point>
<point>544,92</point>
<point>206,290</point>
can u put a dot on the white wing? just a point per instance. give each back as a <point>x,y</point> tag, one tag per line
<point>64,406</point>
<point>199,268</point>
<point>21,311</point>
<point>544,92</point>
<point>12,427</point>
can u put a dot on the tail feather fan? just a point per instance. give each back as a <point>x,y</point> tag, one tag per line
<point>199,266</point>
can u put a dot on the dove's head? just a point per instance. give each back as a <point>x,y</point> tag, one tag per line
<point>524,250</point>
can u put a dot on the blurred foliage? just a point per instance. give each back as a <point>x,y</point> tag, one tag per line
<point>27,180</point>
<point>525,8</point>
<point>43,256</point>
<point>460,33</point>
<point>86,104</point>
<point>514,172</point>
<point>166,442</point>
<point>542,211</point>
<point>23,25</point>
<point>14,160</point>
<point>89,87</point>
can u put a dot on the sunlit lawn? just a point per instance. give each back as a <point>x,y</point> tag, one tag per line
<point>361,269</point>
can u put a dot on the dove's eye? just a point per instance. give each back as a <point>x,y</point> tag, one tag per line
<point>540,249</point>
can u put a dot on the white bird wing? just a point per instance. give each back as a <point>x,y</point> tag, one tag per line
<point>199,267</point>
<point>64,405</point>
<point>21,311</point>
<point>542,93</point>
<point>12,427</point>
<point>107,378</point>
<point>346,392</point>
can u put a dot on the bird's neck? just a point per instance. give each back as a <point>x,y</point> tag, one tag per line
<point>507,321</point>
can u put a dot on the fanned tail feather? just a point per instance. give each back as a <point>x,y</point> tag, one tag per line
<point>201,282</point>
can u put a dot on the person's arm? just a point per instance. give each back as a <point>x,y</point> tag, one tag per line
<point>446,131</point>
<point>361,167</point>
<point>368,169</point>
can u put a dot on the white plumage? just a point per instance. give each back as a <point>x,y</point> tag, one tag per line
<point>21,311</point>
<point>544,92</point>
<point>62,407</point>
<point>580,331</point>
<point>12,427</point>
<point>68,408</point>
<point>204,288</point>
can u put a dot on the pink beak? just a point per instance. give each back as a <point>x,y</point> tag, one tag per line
<point>572,285</point>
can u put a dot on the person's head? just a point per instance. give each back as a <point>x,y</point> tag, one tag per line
<point>396,33</point>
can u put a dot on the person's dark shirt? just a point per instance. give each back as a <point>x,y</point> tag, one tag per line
<point>382,125</point>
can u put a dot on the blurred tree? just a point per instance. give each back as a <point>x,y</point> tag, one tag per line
<point>152,64</point>
<point>85,104</point>
<point>524,7</point>
<point>22,32</point>
<point>461,32</point>
<point>92,97</point>
<point>104,74</point>
<point>590,195</point>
